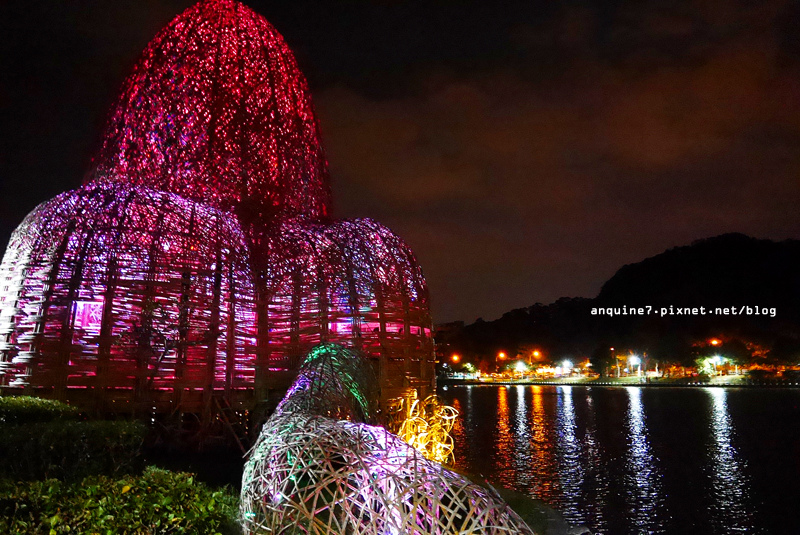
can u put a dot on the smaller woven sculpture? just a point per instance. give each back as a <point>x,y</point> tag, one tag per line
<point>318,468</point>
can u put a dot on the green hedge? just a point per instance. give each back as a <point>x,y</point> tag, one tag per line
<point>70,450</point>
<point>157,502</point>
<point>42,438</point>
<point>16,410</point>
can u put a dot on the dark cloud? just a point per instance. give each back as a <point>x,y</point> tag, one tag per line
<point>524,151</point>
<point>513,189</point>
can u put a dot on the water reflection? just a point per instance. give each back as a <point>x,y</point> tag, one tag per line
<point>571,457</point>
<point>657,460</point>
<point>642,478</point>
<point>504,443</point>
<point>522,434</point>
<point>595,493</point>
<point>730,511</point>
<point>541,478</point>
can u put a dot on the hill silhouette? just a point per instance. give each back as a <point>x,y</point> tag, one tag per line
<point>742,289</point>
<point>727,270</point>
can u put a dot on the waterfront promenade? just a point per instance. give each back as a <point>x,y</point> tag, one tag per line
<point>723,381</point>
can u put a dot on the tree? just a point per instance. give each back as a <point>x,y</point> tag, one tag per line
<point>602,360</point>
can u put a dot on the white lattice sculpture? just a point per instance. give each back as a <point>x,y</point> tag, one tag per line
<point>317,468</point>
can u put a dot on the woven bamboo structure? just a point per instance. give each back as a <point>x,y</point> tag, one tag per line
<point>199,260</point>
<point>319,468</point>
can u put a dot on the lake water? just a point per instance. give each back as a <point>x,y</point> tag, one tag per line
<point>628,460</point>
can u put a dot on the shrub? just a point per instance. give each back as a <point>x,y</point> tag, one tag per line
<point>760,375</point>
<point>791,375</point>
<point>70,450</point>
<point>157,502</point>
<point>16,410</point>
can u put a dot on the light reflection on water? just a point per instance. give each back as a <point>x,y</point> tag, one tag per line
<point>541,479</point>
<point>522,437</point>
<point>731,512</point>
<point>642,476</point>
<point>623,460</point>
<point>570,456</point>
<point>595,493</point>
<point>504,442</point>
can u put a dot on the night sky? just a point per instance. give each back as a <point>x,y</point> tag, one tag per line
<point>525,151</point>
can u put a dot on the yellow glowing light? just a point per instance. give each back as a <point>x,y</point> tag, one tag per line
<point>714,342</point>
<point>537,354</point>
<point>501,355</point>
<point>425,425</point>
<point>455,358</point>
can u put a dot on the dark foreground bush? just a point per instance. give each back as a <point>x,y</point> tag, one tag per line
<point>70,450</point>
<point>15,410</point>
<point>157,502</point>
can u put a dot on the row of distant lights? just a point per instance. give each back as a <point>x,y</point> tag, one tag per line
<point>520,367</point>
<point>633,359</point>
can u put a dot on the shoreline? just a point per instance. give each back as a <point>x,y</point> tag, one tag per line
<point>616,384</point>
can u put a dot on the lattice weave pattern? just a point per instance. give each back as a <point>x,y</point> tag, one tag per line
<point>425,425</point>
<point>199,260</point>
<point>313,474</point>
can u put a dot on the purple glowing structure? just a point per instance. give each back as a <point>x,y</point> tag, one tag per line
<point>199,261</point>
<point>318,467</point>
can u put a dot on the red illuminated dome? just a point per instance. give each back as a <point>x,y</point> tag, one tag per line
<point>218,111</point>
<point>199,264</point>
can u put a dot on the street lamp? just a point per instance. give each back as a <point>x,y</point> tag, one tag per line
<point>615,360</point>
<point>715,360</point>
<point>455,358</point>
<point>636,361</point>
<point>500,356</point>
